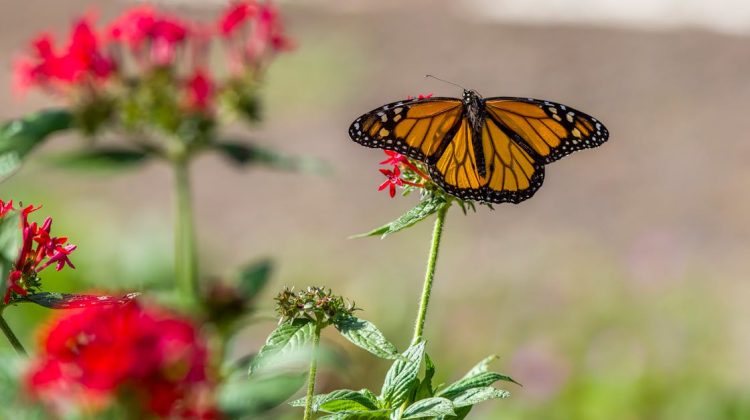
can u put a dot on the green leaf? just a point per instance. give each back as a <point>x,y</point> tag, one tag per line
<point>254,277</point>
<point>10,242</point>
<point>241,397</point>
<point>476,381</point>
<point>401,378</point>
<point>361,415</point>
<point>429,407</point>
<point>481,367</point>
<point>20,136</point>
<point>341,400</point>
<point>476,395</point>
<point>420,212</point>
<point>366,335</point>
<point>104,159</point>
<point>287,338</point>
<point>461,413</point>
<point>73,301</point>
<point>425,389</point>
<point>246,154</point>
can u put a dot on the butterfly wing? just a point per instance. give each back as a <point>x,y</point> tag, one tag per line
<point>416,128</point>
<point>550,129</point>
<point>512,174</point>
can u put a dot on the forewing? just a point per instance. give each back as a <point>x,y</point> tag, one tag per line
<point>550,129</point>
<point>415,128</point>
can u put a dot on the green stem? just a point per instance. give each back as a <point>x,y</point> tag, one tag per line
<point>12,337</point>
<point>430,274</point>
<point>186,265</point>
<point>312,373</point>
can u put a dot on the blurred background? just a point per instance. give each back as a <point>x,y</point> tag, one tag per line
<point>618,291</point>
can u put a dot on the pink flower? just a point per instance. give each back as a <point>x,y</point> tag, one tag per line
<point>5,208</point>
<point>92,357</point>
<point>254,34</point>
<point>152,36</point>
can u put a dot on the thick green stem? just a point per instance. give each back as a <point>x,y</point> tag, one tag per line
<point>430,274</point>
<point>312,373</point>
<point>12,337</point>
<point>186,265</point>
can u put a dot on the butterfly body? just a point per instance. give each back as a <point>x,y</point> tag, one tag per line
<point>490,150</point>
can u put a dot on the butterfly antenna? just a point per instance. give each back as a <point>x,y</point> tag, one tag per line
<point>444,81</point>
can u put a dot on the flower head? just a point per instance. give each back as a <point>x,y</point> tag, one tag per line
<point>39,250</point>
<point>313,304</point>
<point>81,61</point>
<point>152,36</point>
<point>393,180</point>
<point>200,91</point>
<point>91,357</point>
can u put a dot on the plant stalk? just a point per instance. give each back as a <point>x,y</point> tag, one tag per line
<point>186,265</point>
<point>430,274</point>
<point>312,373</point>
<point>12,337</point>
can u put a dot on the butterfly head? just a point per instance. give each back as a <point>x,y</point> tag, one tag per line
<point>470,95</point>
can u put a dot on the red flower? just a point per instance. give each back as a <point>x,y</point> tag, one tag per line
<point>394,158</point>
<point>420,97</point>
<point>91,357</point>
<point>153,37</point>
<point>38,251</point>
<point>236,15</point>
<point>200,91</point>
<point>5,208</point>
<point>81,61</point>
<point>394,179</point>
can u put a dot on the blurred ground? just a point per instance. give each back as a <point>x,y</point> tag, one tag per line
<point>618,291</point>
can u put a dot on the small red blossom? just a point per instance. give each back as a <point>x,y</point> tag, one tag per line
<point>394,158</point>
<point>420,97</point>
<point>236,15</point>
<point>81,61</point>
<point>393,180</point>
<point>152,36</point>
<point>38,251</point>
<point>91,357</point>
<point>200,91</point>
<point>5,208</point>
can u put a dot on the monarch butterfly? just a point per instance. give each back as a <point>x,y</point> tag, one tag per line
<point>491,150</point>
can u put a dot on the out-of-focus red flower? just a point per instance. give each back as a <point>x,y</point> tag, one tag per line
<point>5,208</point>
<point>152,36</point>
<point>200,91</point>
<point>81,61</point>
<point>91,357</point>
<point>254,33</point>
<point>38,251</point>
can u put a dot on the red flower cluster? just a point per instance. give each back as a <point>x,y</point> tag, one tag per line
<point>38,251</point>
<point>91,357</point>
<point>252,33</point>
<point>81,62</point>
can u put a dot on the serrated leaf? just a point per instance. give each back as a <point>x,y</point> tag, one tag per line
<point>254,277</point>
<point>476,381</point>
<point>421,211</point>
<point>401,378</point>
<point>476,395</point>
<point>481,367</point>
<point>366,335</point>
<point>340,400</point>
<point>287,338</point>
<point>72,301</point>
<point>461,413</point>
<point>104,159</point>
<point>242,154</point>
<point>429,407</point>
<point>242,397</point>
<point>20,136</point>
